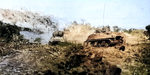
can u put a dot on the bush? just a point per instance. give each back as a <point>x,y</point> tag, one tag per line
<point>7,31</point>
<point>145,58</point>
<point>142,63</point>
<point>125,30</point>
<point>37,40</point>
<point>148,30</point>
<point>128,31</point>
<point>116,28</point>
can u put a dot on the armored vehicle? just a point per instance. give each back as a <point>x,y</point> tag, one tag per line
<point>57,37</point>
<point>105,39</point>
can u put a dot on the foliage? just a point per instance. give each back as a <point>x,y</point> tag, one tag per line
<point>147,28</point>
<point>11,32</point>
<point>116,28</point>
<point>71,59</point>
<point>140,69</point>
<point>128,31</point>
<point>142,63</point>
<point>145,60</point>
<point>146,55</point>
<point>38,39</point>
<point>125,30</point>
<point>7,31</point>
<point>30,30</point>
<point>53,64</point>
<point>75,23</point>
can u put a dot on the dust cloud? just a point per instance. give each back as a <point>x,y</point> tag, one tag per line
<point>78,33</point>
<point>33,20</point>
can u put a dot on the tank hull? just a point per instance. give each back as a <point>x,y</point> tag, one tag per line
<point>105,39</point>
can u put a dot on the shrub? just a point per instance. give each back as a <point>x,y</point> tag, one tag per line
<point>148,30</point>
<point>116,28</point>
<point>8,31</point>
<point>37,40</point>
<point>142,63</point>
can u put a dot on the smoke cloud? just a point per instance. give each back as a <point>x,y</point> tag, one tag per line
<point>35,21</point>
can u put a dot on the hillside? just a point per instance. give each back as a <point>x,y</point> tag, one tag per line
<point>21,56</point>
<point>69,58</point>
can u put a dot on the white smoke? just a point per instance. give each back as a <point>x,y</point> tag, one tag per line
<point>31,20</point>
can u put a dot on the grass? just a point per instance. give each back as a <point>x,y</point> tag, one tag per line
<point>70,58</point>
<point>62,59</point>
<point>54,59</point>
<point>142,63</point>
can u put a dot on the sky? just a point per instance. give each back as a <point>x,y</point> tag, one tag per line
<point>123,13</point>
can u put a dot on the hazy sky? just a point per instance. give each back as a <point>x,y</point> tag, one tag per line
<point>124,13</point>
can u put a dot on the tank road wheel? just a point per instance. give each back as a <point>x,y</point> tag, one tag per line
<point>106,44</point>
<point>103,43</point>
<point>85,44</point>
<point>88,44</point>
<point>99,44</point>
<point>92,44</point>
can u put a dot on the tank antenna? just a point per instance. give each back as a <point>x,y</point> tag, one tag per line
<point>104,13</point>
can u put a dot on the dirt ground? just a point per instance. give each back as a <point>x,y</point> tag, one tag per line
<point>24,60</point>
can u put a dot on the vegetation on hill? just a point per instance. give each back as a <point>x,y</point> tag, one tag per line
<point>70,58</point>
<point>7,31</point>
<point>10,32</point>
<point>142,62</point>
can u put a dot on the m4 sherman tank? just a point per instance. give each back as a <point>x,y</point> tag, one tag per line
<point>57,37</point>
<point>105,39</point>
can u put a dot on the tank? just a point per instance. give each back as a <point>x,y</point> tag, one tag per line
<point>105,39</point>
<point>57,36</point>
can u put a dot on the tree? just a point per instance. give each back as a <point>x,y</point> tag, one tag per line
<point>116,28</point>
<point>128,30</point>
<point>148,30</point>
<point>38,40</point>
<point>83,21</point>
<point>8,31</point>
<point>75,23</point>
